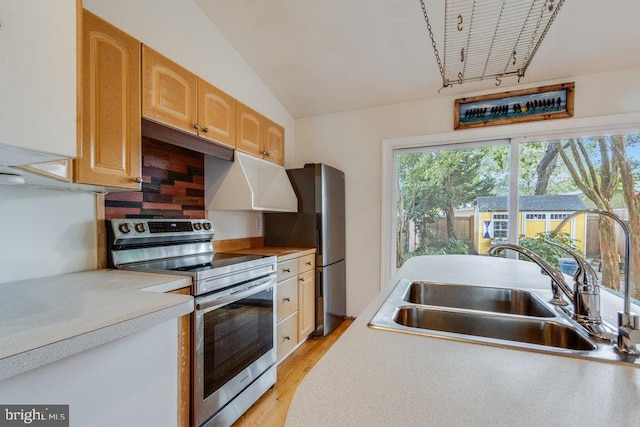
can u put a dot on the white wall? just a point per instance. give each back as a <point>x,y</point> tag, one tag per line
<point>351,141</point>
<point>45,232</point>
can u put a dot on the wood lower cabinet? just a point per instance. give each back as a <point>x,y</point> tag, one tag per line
<point>287,339</point>
<point>184,364</point>
<point>306,296</point>
<point>109,129</point>
<point>295,303</point>
<point>287,308</point>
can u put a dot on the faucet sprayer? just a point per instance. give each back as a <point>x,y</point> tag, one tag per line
<point>628,323</point>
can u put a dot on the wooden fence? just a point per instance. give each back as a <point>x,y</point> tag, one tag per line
<point>464,226</point>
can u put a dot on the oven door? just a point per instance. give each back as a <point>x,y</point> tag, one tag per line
<point>234,337</point>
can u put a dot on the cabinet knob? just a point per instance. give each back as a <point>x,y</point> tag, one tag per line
<point>286,270</point>
<point>286,299</point>
<point>302,279</point>
<point>287,338</point>
<point>137,179</point>
<point>196,126</point>
<point>267,154</point>
<point>205,130</point>
<point>309,263</point>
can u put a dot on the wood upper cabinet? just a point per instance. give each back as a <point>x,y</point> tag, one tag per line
<point>258,136</point>
<point>109,128</point>
<point>216,114</point>
<point>249,130</point>
<point>169,92</point>
<point>174,96</point>
<point>274,142</point>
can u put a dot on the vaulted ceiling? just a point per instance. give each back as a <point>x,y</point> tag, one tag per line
<point>328,56</point>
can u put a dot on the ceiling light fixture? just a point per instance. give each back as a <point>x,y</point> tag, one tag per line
<point>491,39</point>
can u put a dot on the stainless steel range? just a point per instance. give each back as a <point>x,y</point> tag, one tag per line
<point>234,322</point>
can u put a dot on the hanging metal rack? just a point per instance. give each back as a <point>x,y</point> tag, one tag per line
<point>491,39</point>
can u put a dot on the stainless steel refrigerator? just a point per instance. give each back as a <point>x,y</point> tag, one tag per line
<point>319,223</point>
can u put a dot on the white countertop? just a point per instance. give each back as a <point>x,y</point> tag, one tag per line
<point>373,377</point>
<point>47,319</point>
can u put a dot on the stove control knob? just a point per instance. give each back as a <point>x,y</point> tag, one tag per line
<point>139,227</point>
<point>197,225</point>
<point>124,228</point>
<point>206,225</point>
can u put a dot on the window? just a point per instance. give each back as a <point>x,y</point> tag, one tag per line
<point>536,216</point>
<point>456,198</point>
<point>442,192</point>
<point>500,226</point>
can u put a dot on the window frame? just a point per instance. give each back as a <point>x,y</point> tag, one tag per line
<point>514,135</point>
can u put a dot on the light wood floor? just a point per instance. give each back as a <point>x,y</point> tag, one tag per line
<point>271,409</point>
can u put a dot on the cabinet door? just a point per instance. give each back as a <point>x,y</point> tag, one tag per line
<point>169,92</point>
<point>249,130</point>
<point>38,80</point>
<point>274,142</point>
<point>306,304</point>
<point>109,149</point>
<point>216,114</point>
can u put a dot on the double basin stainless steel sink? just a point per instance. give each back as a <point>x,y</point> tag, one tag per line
<point>502,317</point>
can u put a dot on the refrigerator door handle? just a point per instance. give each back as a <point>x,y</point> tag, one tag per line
<point>319,287</point>
<point>319,247</point>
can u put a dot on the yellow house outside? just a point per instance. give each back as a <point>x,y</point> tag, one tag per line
<point>537,214</point>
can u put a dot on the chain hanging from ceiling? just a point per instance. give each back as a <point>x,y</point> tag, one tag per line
<point>491,39</point>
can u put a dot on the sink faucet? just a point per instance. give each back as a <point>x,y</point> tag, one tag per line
<point>628,323</point>
<point>585,295</point>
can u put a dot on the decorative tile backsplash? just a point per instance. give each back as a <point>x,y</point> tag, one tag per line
<point>173,185</point>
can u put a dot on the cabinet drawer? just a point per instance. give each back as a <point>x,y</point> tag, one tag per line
<point>307,262</point>
<point>287,269</point>
<point>287,298</point>
<point>287,334</point>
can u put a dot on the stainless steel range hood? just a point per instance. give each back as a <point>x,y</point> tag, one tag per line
<point>248,183</point>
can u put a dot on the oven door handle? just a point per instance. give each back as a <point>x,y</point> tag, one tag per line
<point>253,288</point>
